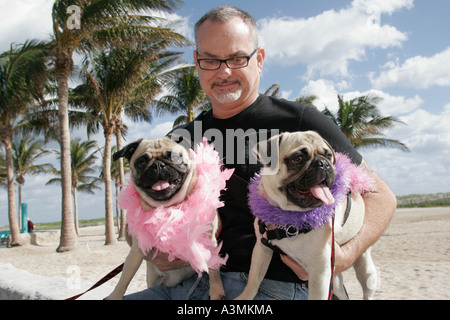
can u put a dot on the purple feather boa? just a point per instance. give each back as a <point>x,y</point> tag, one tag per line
<point>349,177</point>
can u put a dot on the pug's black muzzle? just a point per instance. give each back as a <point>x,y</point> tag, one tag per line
<point>320,172</point>
<point>161,180</point>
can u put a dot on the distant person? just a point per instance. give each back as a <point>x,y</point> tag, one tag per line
<point>30,226</point>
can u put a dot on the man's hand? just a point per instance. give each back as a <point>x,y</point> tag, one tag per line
<point>298,269</point>
<point>341,260</point>
<point>161,260</point>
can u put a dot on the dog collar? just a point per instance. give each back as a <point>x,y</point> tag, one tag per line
<point>349,177</point>
<point>182,230</point>
<point>287,232</point>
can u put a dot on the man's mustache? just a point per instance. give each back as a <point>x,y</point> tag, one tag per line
<point>224,82</point>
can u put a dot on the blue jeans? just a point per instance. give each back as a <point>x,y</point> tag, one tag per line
<point>197,288</point>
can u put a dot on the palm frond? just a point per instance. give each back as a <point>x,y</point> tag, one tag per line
<point>378,142</point>
<point>361,122</point>
<point>186,97</point>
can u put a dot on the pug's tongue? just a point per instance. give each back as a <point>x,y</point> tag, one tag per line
<point>161,185</point>
<point>323,193</point>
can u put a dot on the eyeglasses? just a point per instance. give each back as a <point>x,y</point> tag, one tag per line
<point>232,63</point>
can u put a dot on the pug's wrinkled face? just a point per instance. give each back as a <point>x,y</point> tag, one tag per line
<point>304,175</point>
<point>161,170</point>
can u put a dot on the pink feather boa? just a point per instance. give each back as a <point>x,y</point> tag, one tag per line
<point>184,230</point>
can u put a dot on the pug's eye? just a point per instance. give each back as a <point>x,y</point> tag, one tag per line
<point>297,159</point>
<point>328,155</point>
<point>141,163</point>
<point>174,157</point>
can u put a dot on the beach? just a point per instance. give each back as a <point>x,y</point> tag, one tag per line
<point>412,258</point>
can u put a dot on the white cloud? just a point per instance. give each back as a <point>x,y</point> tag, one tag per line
<point>374,7</point>
<point>327,92</point>
<point>426,133</point>
<point>177,23</point>
<point>425,168</point>
<point>389,105</point>
<point>286,94</point>
<point>144,130</point>
<point>160,130</point>
<point>407,173</point>
<point>417,72</point>
<point>327,42</point>
<point>24,19</point>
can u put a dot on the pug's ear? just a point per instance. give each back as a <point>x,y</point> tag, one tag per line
<point>267,152</point>
<point>128,151</point>
<point>333,160</point>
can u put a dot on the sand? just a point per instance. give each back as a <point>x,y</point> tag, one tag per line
<point>412,257</point>
<point>71,272</point>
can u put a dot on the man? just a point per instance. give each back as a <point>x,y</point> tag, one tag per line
<point>229,64</point>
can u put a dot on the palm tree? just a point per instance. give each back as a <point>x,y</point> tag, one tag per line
<point>25,153</point>
<point>273,91</point>
<point>361,122</point>
<point>186,98</point>
<point>102,23</point>
<point>114,82</point>
<point>82,164</point>
<point>3,183</point>
<point>308,100</point>
<point>115,176</point>
<point>22,74</point>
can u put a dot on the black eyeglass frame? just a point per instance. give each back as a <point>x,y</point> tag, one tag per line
<point>226,61</point>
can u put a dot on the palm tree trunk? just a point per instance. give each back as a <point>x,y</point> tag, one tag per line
<point>117,210</point>
<point>191,115</point>
<point>68,238</point>
<point>109,215</point>
<point>16,239</point>
<point>75,210</point>
<point>19,189</point>
<point>123,221</point>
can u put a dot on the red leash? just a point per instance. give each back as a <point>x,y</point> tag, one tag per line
<point>330,295</point>
<point>106,278</point>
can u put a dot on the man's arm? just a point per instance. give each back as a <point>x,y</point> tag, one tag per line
<point>380,207</point>
<point>161,260</point>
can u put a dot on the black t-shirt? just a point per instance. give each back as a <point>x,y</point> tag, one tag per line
<point>233,138</point>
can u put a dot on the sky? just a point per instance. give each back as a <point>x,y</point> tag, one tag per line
<point>398,50</point>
